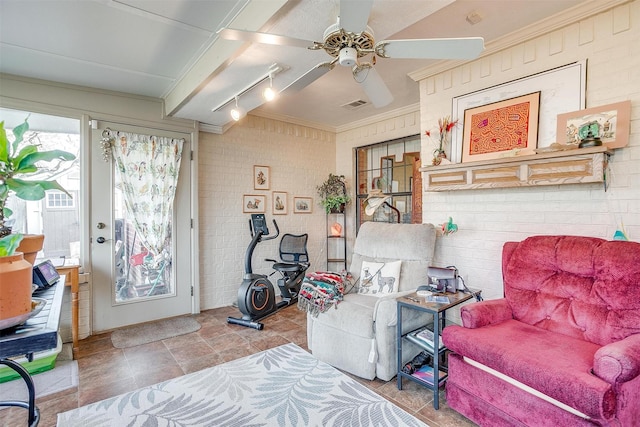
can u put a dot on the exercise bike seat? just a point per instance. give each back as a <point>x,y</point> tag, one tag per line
<point>293,254</point>
<point>287,267</point>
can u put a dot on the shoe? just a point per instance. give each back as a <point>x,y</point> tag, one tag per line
<point>417,362</point>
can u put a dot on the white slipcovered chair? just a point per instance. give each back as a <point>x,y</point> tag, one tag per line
<point>359,334</point>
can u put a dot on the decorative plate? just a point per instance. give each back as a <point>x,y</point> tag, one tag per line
<point>17,320</point>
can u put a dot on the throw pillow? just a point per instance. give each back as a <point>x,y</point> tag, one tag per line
<point>379,278</point>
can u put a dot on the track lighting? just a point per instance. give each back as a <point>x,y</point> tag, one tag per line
<point>268,93</point>
<point>238,112</point>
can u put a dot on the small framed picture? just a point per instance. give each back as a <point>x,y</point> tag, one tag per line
<point>302,205</point>
<point>261,178</point>
<point>609,122</point>
<point>279,203</point>
<point>254,203</point>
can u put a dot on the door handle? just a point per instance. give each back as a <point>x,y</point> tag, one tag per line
<point>101,240</point>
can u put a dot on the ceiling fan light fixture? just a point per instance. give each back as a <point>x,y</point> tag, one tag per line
<point>348,57</point>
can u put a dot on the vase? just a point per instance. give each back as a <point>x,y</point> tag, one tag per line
<point>438,155</point>
<point>30,245</point>
<point>15,286</point>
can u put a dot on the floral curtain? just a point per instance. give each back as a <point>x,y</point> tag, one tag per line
<point>149,167</point>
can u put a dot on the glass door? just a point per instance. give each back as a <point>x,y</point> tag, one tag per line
<point>136,279</point>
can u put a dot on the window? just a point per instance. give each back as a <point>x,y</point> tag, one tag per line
<point>56,216</point>
<point>388,167</point>
<point>58,199</point>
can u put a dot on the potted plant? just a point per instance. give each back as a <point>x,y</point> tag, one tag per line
<point>18,162</point>
<point>15,282</point>
<point>333,193</point>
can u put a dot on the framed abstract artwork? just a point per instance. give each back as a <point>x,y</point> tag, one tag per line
<point>254,203</point>
<point>608,122</point>
<point>490,131</point>
<point>279,203</point>
<point>302,205</point>
<point>261,178</point>
<point>562,89</point>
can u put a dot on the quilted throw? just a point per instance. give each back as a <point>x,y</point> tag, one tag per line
<point>282,386</point>
<point>320,290</point>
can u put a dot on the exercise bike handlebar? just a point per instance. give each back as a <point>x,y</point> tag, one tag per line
<point>275,224</point>
<point>257,237</point>
<point>258,234</point>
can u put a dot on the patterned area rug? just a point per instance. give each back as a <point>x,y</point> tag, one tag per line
<point>153,331</point>
<point>283,386</point>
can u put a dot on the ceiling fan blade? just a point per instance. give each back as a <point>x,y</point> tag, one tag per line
<point>264,38</point>
<point>373,85</point>
<point>455,48</point>
<point>354,14</point>
<point>309,77</point>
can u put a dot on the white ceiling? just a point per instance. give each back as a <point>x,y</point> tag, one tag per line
<point>170,49</point>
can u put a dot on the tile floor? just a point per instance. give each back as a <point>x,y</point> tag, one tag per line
<point>106,371</point>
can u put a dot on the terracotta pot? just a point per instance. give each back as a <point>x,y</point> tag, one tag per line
<point>15,286</point>
<point>30,245</point>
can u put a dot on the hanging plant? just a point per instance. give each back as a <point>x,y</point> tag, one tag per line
<point>333,193</point>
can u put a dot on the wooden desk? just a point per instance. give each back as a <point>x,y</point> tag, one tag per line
<point>72,273</point>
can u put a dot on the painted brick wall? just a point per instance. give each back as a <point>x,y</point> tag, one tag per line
<point>299,158</point>
<point>488,218</point>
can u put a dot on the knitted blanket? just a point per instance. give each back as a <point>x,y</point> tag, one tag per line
<point>320,291</point>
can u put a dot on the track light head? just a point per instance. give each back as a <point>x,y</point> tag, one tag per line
<point>269,94</point>
<point>238,112</point>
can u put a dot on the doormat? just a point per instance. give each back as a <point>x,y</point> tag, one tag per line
<point>62,378</point>
<point>153,331</point>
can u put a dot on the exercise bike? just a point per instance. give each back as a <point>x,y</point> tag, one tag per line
<point>256,296</point>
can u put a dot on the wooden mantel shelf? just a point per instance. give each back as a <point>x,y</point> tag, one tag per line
<point>582,165</point>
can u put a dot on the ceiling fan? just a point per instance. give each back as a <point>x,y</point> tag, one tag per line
<point>350,39</point>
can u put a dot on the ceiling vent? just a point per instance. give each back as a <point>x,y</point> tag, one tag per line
<point>354,105</point>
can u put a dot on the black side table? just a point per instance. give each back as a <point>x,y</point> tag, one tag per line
<point>438,310</point>
<point>38,333</point>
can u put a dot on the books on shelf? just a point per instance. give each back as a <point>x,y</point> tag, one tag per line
<point>425,373</point>
<point>424,338</point>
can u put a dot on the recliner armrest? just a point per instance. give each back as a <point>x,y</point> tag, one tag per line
<point>485,313</point>
<point>387,305</point>
<point>618,362</point>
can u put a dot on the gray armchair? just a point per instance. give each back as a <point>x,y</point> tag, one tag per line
<point>359,335</point>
